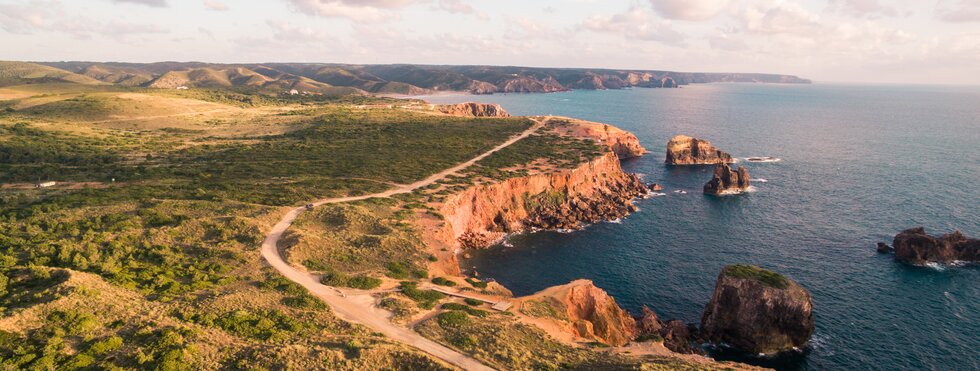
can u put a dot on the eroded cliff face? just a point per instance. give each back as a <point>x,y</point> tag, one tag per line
<point>471,109</point>
<point>587,312</point>
<point>685,150</point>
<point>757,311</point>
<point>915,246</point>
<point>595,190</point>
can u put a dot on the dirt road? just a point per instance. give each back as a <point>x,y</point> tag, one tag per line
<point>358,306</point>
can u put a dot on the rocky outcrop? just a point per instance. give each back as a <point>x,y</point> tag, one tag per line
<point>757,311</point>
<point>588,312</point>
<point>727,181</point>
<point>649,323</point>
<point>471,109</point>
<point>678,337</point>
<point>566,199</point>
<point>685,150</point>
<point>883,248</point>
<point>620,141</point>
<point>915,246</point>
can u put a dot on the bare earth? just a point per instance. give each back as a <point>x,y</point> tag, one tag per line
<point>357,305</point>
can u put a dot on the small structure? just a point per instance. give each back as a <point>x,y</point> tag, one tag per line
<point>182,87</point>
<point>293,92</point>
<point>45,185</point>
<point>502,306</point>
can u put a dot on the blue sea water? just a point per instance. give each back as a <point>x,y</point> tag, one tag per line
<point>859,164</point>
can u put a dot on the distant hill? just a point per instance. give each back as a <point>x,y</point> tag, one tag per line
<point>394,78</point>
<point>20,73</point>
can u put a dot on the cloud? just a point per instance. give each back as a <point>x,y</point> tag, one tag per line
<point>215,5</point>
<point>50,16</point>
<point>635,23</point>
<point>958,11</point>
<point>783,18</point>
<point>284,31</point>
<point>729,41</point>
<point>355,10</point>
<point>689,10</point>
<point>153,3</point>
<point>862,8</point>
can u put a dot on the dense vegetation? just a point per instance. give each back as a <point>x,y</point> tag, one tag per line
<point>752,272</point>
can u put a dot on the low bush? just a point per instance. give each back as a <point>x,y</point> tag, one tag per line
<point>426,299</point>
<point>442,281</point>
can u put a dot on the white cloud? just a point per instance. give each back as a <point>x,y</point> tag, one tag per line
<point>50,16</point>
<point>689,10</point>
<point>284,31</point>
<point>958,11</point>
<point>862,8</point>
<point>153,3</point>
<point>355,10</point>
<point>783,18</point>
<point>215,5</point>
<point>635,23</point>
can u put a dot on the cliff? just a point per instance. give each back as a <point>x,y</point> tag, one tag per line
<point>583,310</point>
<point>473,109</point>
<point>757,311</point>
<point>595,190</point>
<point>915,246</point>
<point>685,150</point>
<point>620,141</point>
<point>724,180</point>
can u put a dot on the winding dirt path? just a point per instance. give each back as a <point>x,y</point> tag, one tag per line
<point>357,305</point>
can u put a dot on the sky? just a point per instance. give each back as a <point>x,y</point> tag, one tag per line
<point>861,41</point>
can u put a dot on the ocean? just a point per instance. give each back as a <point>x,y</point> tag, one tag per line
<point>859,163</point>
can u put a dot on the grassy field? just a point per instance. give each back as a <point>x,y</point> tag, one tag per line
<point>145,254</point>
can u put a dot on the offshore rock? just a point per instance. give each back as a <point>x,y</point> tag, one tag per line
<point>757,311</point>
<point>685,150</point>
<point>915,246</point>
<point>727,181</point>
<point>883,248</point>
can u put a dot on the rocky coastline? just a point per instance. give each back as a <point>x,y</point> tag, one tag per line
<point>471,109</point>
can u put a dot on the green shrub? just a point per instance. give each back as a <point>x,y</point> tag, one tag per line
<point>442,281</point>
<point>426,299</point>
<point>477,283</point>
<point>363,282</point>
<point>452,319</point>
<point>473,302</point>
<point>463,308</point>
<point>305,301</point>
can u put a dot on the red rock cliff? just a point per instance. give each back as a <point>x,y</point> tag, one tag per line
<point>473,109</point>
<point>586,312</point>
<point>596,190</point>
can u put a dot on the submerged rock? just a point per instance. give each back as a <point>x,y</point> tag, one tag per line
<point>915,246</point>
<point>685,150</point>
<point>656,187</point>
<point>727,181</point>
<point>757,311</point>
<point>883,248</point>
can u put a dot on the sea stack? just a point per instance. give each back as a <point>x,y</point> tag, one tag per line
<point>727,181</point>
<point>757,311</point>
<point>685,150</point>
<point>915,246</point>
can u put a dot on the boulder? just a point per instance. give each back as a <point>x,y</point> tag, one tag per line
<point>724,180</point>
<point>685,150</point>
<point>757,311</point>
<point>915,246</point>
<point>656,187</point>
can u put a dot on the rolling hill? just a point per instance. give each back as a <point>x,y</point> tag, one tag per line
<point>322,78</point>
